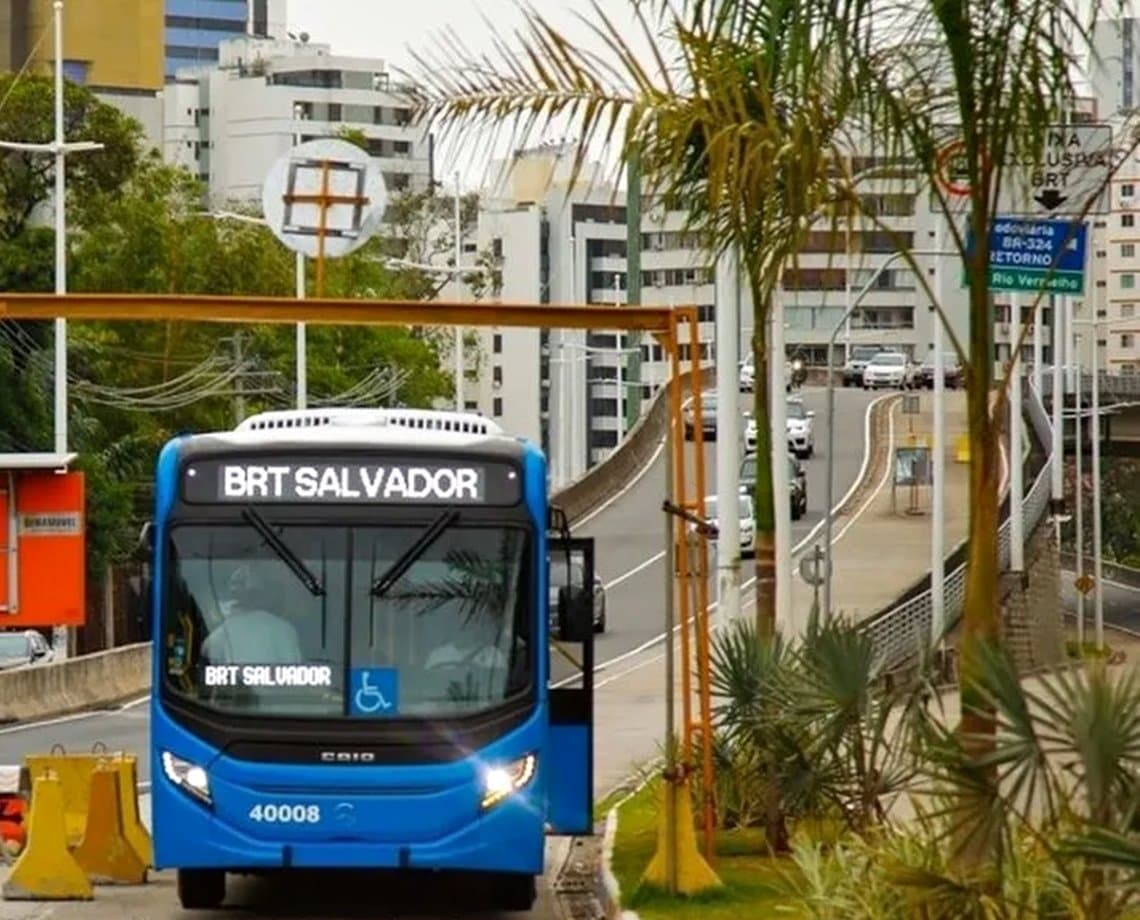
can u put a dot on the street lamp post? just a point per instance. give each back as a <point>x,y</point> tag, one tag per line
<point>1095,434</point>
<point>58,148</point>
<point>828,511</point>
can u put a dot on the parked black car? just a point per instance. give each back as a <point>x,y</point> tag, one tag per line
<point>951,372</point>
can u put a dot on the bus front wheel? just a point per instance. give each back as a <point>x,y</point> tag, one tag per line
<point>201,889</point>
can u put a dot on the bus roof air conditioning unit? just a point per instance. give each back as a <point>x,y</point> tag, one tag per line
<point>415,419</point>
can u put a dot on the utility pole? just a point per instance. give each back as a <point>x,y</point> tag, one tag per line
<point>299,271</point>
<point>239,382</point>
<point>460,362</point>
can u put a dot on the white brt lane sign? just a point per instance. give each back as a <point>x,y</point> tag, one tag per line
<point>1066,181</point>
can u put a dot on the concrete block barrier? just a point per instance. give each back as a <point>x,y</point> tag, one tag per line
<point>82,827</point>
<point>74,685</point>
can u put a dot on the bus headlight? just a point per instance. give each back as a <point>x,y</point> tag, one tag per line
<point>189,777</point>
<point>501,782</point>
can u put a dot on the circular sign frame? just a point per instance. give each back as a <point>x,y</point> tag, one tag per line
<point>326,174</point>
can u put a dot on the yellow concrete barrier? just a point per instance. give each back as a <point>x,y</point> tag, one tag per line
<point>105,853</point>
<point>128,787</point>
<point>74,772</point>
<point>962,448</point>
<point>46,870</point>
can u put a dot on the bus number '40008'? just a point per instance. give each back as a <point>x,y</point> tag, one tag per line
<point>286,814</point>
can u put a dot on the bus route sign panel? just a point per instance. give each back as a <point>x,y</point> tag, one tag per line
<point>313,480</point>
<point>1035,255</point>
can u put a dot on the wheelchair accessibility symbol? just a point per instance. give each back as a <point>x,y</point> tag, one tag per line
<point>375,692</point>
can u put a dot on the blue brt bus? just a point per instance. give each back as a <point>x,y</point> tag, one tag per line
<point>351,660</point>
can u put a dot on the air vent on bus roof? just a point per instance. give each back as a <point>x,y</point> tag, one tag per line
<point>415,419</point>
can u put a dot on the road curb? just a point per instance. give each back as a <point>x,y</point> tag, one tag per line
<point>876,460</point>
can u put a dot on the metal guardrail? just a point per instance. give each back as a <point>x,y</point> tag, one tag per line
<point>902,631</point>
<point>1112,386</point>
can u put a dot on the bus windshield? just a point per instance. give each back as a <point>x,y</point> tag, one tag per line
<point>244,634</point>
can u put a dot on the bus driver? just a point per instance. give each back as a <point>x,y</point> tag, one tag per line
<point>249,633</point>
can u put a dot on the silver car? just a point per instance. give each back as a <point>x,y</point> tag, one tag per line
<point>558,580</point>
<point>27,647</point>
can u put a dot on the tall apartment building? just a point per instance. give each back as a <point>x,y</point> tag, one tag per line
<point>228,124</point>
<point>569,246</point>
<point>1114,65</point>
<point>113,47</point>
<point>195,30</point>
<point>1112,282</point>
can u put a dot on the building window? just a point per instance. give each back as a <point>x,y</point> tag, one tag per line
<point>1127,340</point>
<point>1128,281</point>
<point>1128,250</point>
<point>1127,190</point>
<point>76,71</point>
<point>206,24</point>
<point>1126,220</point>
<point>497,406</point>
<point>1127,310</point>
<point>497,375</point>
<point>497,343</point>
<point>471,405</point>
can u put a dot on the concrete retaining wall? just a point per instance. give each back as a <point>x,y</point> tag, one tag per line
<point>86,682</point>
<point>106,678</point>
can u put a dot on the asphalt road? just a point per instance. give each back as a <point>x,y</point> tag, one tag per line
<point>629,537</point>
<point>1121,603</point>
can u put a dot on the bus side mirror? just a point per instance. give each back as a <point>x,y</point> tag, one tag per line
<point>146,539</point>
<point>575,614</point>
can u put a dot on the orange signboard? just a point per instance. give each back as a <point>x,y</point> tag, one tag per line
<point>43,548</point>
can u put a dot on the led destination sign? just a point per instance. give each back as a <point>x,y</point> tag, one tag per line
<point>320,481</point>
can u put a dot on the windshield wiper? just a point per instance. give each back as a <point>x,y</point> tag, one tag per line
<point>255,520</point>
<point>397,569</point>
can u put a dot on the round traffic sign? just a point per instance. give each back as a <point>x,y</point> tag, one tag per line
<point>944,169</point>
<point>814,568</point>
<point>327,188</point>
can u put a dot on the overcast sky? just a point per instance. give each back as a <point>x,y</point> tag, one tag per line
<point>386,28</point>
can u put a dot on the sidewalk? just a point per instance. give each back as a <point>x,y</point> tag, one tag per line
<point>878,554</point>
<point>886,549</point>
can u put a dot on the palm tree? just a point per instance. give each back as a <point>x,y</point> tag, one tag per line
<point>734,119</point>
<point>999,75</point>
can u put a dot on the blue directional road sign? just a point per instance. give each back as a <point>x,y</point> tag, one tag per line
<point>1035,255</point>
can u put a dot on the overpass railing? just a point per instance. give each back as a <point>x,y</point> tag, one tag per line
<point>1112,386</point>
<point>903,631</point>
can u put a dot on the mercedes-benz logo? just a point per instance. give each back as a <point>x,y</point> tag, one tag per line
<point>345,814</point>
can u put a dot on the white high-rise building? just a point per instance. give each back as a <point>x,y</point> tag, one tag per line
<point>563,245</point>
<point>230,123</point>
<point>1113,67</point>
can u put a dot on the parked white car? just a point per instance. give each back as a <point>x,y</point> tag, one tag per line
<point>800,427</point>
<point>747,521</point>
<point>747,375</point>
<point>888,369</point>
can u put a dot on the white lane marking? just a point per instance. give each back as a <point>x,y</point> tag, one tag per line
<point>625,656</point>
<point>796,550</point>
<point>882,482</point>
<point>75,717</point>
<point>593,513</point>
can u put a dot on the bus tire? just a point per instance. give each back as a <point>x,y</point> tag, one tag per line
<point>516,892</point>
<point>201,889</point>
